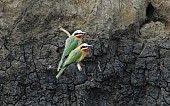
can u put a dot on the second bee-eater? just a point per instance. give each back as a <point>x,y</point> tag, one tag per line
<point>71,43</point>
<point>77,55</point>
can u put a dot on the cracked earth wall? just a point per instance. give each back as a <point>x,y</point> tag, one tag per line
<point>129,64</point>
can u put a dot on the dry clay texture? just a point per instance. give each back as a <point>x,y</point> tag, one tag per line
<point>128,65</point>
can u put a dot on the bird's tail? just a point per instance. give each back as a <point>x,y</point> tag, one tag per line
<point>60,64</point>
<point>60,72</point>
<point>61,61</point>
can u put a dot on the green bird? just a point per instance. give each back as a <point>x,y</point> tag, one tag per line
<point>71,43</point>
<point>77,55</point>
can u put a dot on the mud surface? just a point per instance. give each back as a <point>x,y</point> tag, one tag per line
<point>129,64</point>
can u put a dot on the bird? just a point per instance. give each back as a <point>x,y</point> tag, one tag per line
<point>71,43</point>
<point>77,55</point>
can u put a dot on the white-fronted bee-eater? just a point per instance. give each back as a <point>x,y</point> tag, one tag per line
<point>77,55</point>
<point>71,43</point>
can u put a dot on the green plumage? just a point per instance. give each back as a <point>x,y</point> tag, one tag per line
<point>73,57</point>
<point>70,44</point>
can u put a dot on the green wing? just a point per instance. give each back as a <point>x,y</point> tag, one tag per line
<point>73,57</point>
<point>70,44</point>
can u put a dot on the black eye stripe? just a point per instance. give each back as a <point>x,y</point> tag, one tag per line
<point>83,47</point>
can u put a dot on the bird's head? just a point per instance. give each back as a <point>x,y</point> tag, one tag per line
<point>78,34</point>
<point>84,47</point>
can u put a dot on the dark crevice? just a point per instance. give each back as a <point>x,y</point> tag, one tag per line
<point>150,10</point>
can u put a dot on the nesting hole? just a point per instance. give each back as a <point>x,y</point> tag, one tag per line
<point>150,10</point>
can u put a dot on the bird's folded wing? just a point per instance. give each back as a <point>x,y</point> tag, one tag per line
<point>73,57</point>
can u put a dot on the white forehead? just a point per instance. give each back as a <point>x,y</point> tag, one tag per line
<point>84,44</point>
<point>78,31</point>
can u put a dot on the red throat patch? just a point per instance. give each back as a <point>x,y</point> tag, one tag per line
<point>79,36</point>
<point>85,49</point>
